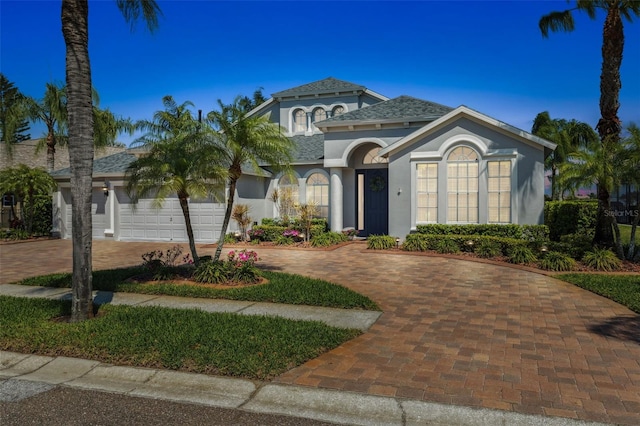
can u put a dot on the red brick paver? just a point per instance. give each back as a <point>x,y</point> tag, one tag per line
<point>452,331</point>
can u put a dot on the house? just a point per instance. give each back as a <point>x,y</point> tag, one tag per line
<point>33,153</point>
<point>379,165</point>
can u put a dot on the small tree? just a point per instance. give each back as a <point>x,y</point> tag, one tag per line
<point>306,213</point>
<point>27,185</point>
<point>241,216</point>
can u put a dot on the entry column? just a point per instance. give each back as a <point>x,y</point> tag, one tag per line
<point>335,199</point>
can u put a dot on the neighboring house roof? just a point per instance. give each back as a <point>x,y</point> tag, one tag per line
<point>402,108</point>
<point>113,164</point>
<point>463,111</point>
<point>27,153</point>
<point>309,148</point>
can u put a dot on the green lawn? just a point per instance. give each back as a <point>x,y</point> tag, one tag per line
<point>281,288</point>
<point>254,347</point>
<point>624,289</point>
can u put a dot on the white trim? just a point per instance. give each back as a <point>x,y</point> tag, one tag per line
<point>476,116</point>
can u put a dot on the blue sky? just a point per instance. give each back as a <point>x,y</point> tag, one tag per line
<point>487,55</point>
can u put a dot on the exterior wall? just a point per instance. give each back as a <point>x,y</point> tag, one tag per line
<point>527,201</point>
<point>339,146</point>
<point>287,107</point>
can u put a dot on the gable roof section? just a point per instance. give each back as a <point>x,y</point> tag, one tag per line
<point>309,148</point>
<point>401,109</point>
<point>463,111</point>
<point>328,85</point>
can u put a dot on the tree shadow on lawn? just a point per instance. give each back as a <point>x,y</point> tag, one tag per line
<point>625,328</point>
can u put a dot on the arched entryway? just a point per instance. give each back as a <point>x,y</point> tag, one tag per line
<point>372,192</point>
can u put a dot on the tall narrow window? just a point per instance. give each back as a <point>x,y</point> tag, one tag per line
<point>462,185</point>
<point>499,189</point>
<point>319,114</point>
<point>318,193</point>
<point>427,193</point>
<point>287,197</point>
<point>299,121</point>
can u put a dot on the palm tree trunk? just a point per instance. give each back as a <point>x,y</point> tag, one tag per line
<point>227,217</point>
<point>184,204</point>
<point>75,29</point>
<point>609,126</point>
<point>632,239</point>
<point>51,151</point>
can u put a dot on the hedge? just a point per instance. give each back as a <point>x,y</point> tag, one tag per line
<point>520,232</point>
<point>570,217</point>
<point>468,243</point>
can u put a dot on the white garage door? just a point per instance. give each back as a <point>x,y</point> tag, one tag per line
<point>147,223</point>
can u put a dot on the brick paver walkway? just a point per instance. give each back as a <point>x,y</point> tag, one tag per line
<point>452,331</point>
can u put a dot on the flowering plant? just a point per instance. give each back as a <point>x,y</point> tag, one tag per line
<point>256,233</point>
<point>243,257</point>
<point>291,233</point>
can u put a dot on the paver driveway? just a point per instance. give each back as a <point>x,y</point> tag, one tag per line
<point>452,331</point>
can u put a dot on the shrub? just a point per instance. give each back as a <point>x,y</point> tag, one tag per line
<point>256,234</point>
<point>447,246</point>
<point>602,260</point>
<point>211,272</point>
<point>269,232</point>
<point>575,245</point>
<point>380,242</point>
<point>520,232</point>
<point>328,239</point>
<point>230,238</point>
<point>415,242</point>
<point>570,217</point>
<point>521,255</point>
<point>281,240</point>
<point>556,261</point>
<point>488,248</point>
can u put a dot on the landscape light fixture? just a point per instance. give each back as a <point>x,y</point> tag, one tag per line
<point>105,188</point>
<point>397,243</point>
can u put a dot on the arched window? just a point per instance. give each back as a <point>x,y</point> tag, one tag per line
<point>337,110</point>
<point>287,197</point>
<point>462,185</point>
<point>372,157</point>
<point>318,193</point>
<point>319,114</point>
<point>299,121</point>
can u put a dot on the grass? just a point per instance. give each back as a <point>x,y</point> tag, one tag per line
<point>624,289</point>
<point>254,347</point>
<point>281,288</point>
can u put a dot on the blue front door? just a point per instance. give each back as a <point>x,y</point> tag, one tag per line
<point>372,202</point>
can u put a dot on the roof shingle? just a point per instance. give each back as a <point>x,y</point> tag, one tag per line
<point>328,85</point>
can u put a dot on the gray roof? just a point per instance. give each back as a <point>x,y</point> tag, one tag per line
<point>116,163</point>
<point>328,85</point>
<point>400,108</point>
<point>309,148</point>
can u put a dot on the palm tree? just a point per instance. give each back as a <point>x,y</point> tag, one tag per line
<point>26,183</point>
<point>567,135</point>
<point>181,159</point>
<point>75,29</point>
<point>609,125</point>
<point>247,141</point>
<point>51,110</point>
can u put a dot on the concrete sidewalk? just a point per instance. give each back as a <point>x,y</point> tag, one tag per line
<point>22,376</point>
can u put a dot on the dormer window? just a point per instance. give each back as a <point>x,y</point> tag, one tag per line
<point>337,111</point>
<point>319,114</point>
<point>299,121</point>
